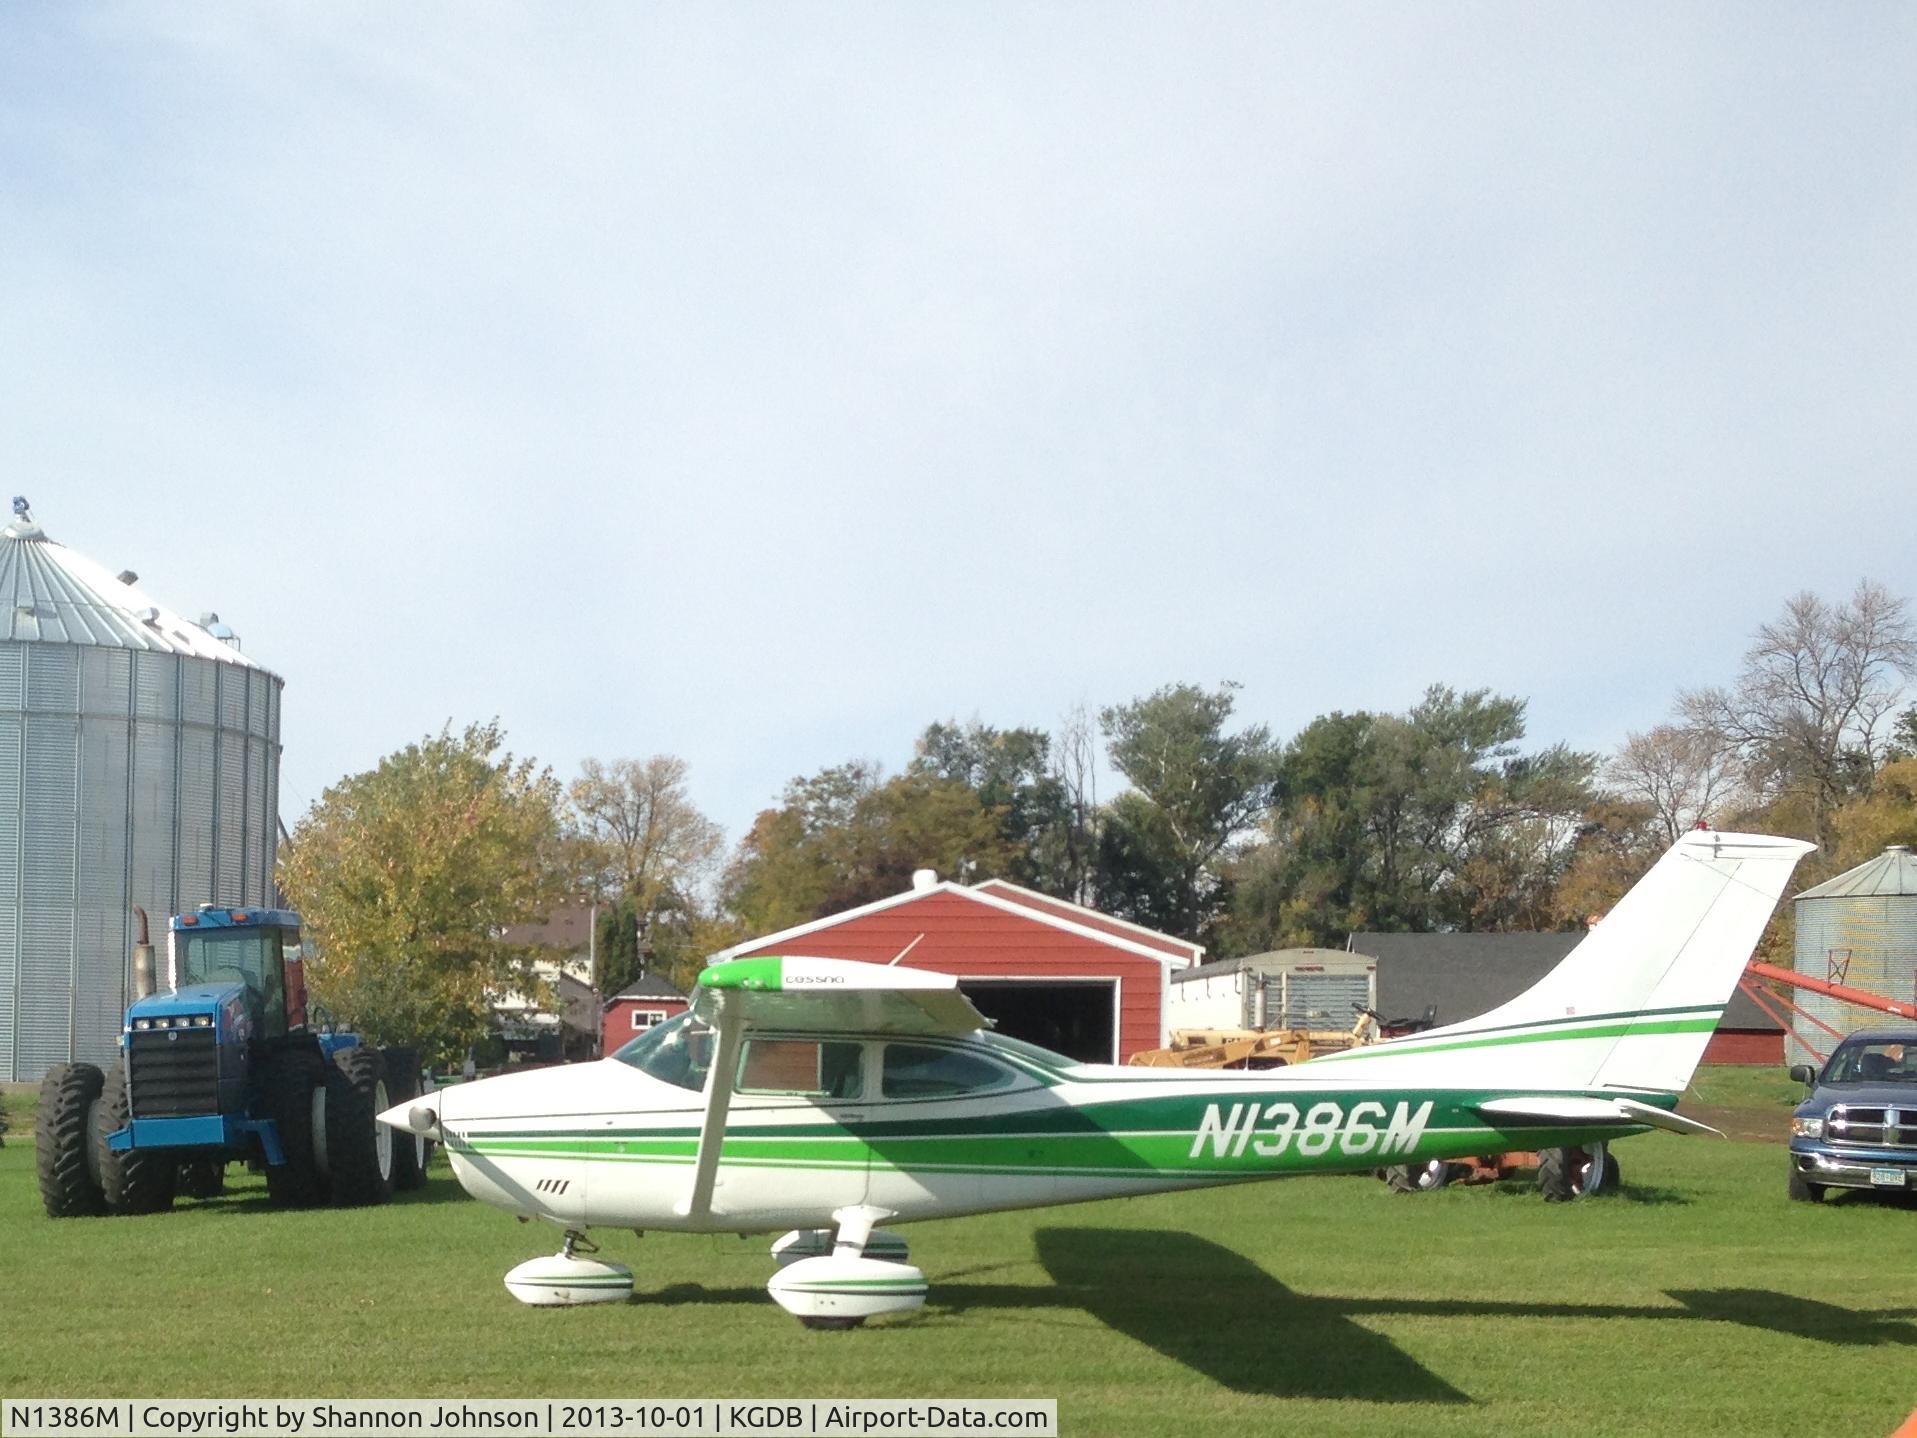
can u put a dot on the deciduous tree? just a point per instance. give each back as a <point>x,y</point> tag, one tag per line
<point>1810,712</point>
<point>1426,820</point>
<point>1205,784</point>
<point>846,836</point>
<point>408,873</point>
<point>647,849</point>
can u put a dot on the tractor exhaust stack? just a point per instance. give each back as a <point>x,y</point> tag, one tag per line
<point>143,980</point>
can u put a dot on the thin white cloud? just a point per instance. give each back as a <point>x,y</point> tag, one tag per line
<point>761,383</point>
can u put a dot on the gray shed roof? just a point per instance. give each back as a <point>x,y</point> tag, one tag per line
<point>52,595</point>
<point>1891,873</point>
<point>648,986</point>
<point>1464,975</point>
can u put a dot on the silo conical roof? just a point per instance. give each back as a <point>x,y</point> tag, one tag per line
<point>1891,873</point>
<point>50,594</point>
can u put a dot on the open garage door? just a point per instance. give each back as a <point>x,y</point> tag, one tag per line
<point>1077,1018</point>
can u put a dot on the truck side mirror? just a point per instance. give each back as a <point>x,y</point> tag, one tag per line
<point>1804,1074</point>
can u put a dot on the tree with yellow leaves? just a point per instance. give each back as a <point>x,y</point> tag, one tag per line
<point>406,876</point>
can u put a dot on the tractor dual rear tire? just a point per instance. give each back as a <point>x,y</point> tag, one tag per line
<point>1566,1174</point>
<point>289,1079</point>
<point>412,1153</point>
<point>359,1148</point>
<point>63,1137</point>
<point>1419,1177</point>
<point>136,1180</point>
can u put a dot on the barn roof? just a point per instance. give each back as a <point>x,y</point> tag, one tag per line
<point>1182,949</point>
<point>1003,904</point>
<point>1464,975</point>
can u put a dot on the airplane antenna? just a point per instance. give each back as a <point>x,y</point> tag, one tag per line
<point>904,951</point>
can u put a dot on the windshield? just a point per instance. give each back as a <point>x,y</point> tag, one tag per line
<point>1036,1053</point>
<point>255,957</point>
<point>1883,1061</point>
<point>678,1051</point>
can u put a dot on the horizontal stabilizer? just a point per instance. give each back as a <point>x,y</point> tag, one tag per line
<point>1551,1109</point>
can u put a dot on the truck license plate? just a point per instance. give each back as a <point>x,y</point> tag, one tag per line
<point>1887,1177</point>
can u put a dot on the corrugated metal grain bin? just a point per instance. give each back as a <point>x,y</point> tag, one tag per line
<point>139,764</point>
<point>1858,929</point>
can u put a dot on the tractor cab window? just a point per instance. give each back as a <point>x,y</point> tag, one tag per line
<point>921,1071</point>
<point>255,957</point>
<point>678,1052</point>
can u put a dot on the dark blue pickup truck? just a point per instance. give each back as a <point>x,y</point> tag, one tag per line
<point>1858,1129</point>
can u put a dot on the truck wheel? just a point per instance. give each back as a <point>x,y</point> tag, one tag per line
<point>1570,1173</point>
<point>289,1087</point>
<point>1802,1190</point>
<point>1418,1177</point>
<point>63,1136</point>
<point>359,1149</point>
<point>135,1180</point>
<point>411,1152</point>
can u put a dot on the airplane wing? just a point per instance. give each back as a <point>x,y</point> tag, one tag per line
<point>1557,1109</point>
<point>827,996</point>
<point>809,996</point>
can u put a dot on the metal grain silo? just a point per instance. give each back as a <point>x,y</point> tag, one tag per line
<point>139,764</point>
<point>1858,929</point>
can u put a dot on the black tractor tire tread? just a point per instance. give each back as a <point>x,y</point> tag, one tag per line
<point>410,1154</point>
<point>288,1077</point>
<point>1558,1175</point>
<point>1412,1178</point>
<point>61,1137</point>
<point>134,1181</point>
<point>1554,1175</point>
<point>352,1128</point>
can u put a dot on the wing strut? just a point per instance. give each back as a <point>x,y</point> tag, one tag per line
<point>712,1129</point>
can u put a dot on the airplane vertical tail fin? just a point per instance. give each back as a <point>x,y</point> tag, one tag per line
<point>1634,1004</point>
<point>1683,943</point>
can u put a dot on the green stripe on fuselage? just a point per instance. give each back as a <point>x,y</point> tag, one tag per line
<point>1228,1132</point>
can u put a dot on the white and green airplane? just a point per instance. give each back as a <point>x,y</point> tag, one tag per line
<point>827,1097</point>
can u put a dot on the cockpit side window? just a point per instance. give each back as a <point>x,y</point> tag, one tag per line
<point>678,1052</point>
<point>923,1071</point>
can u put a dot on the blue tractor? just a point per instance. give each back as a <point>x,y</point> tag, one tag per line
<point>222,1065</point>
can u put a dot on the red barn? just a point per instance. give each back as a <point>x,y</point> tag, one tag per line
<point>1051,972</point>
<point>646,1001</point>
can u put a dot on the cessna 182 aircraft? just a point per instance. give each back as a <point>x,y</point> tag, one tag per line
<point>828,1097</point>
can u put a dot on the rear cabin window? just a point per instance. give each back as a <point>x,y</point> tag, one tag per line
<point>921,1071</point>
<point>812,1068</point>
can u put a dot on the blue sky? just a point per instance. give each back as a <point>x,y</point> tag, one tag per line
<point>759,383</point>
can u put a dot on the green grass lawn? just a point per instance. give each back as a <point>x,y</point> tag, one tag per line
<point>1698,1301</point>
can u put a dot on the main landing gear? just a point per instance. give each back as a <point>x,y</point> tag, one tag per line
<point>828,1278</point>
<point>566,1278</point>
<point>863,1275</point>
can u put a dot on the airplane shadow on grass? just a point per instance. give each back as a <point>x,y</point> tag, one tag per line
<point>1214,1311</point>
<point>1217,1313</point>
